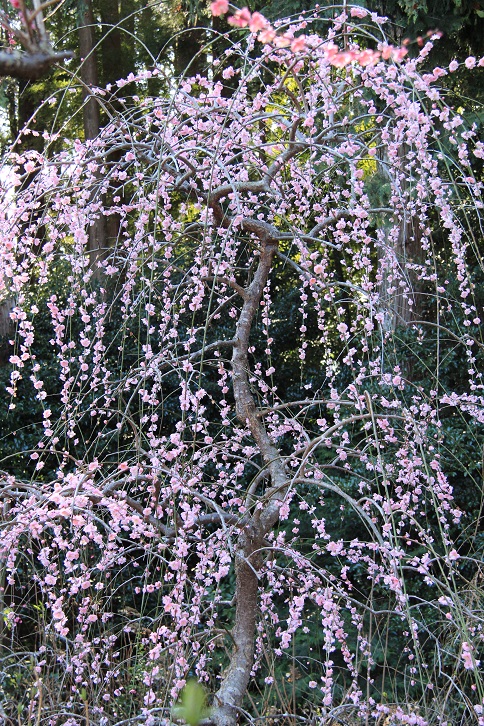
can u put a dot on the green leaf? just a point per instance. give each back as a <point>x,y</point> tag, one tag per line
<point>192,707</point>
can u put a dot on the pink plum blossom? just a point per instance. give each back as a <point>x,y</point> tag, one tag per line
<point>219,7</point>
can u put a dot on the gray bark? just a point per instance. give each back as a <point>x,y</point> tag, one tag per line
<point>29,66</point>
<point>248,557</point>
<point>401,305</point>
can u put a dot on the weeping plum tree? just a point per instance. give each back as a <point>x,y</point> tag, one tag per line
<point>236,475</point>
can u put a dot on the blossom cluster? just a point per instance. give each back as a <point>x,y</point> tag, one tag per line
<point>266,33</point>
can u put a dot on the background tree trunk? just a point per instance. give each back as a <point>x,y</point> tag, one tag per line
<point>89,74</point>
<point>400,301</point>
<point>91,116</point>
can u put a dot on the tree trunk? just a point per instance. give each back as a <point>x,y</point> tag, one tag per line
<point>401,301</point>
<point>89,75</point>
<point>118,60</point>
<point>189,59</point>
<point>248,557</point>
<point>6,328</point>
<point>113,60</point>
<point>91,116</point>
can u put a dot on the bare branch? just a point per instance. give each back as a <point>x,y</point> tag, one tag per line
<point>225,281</point>
<point>29,66</point>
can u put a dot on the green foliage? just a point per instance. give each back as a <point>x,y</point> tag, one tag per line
<point>192,706</point>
